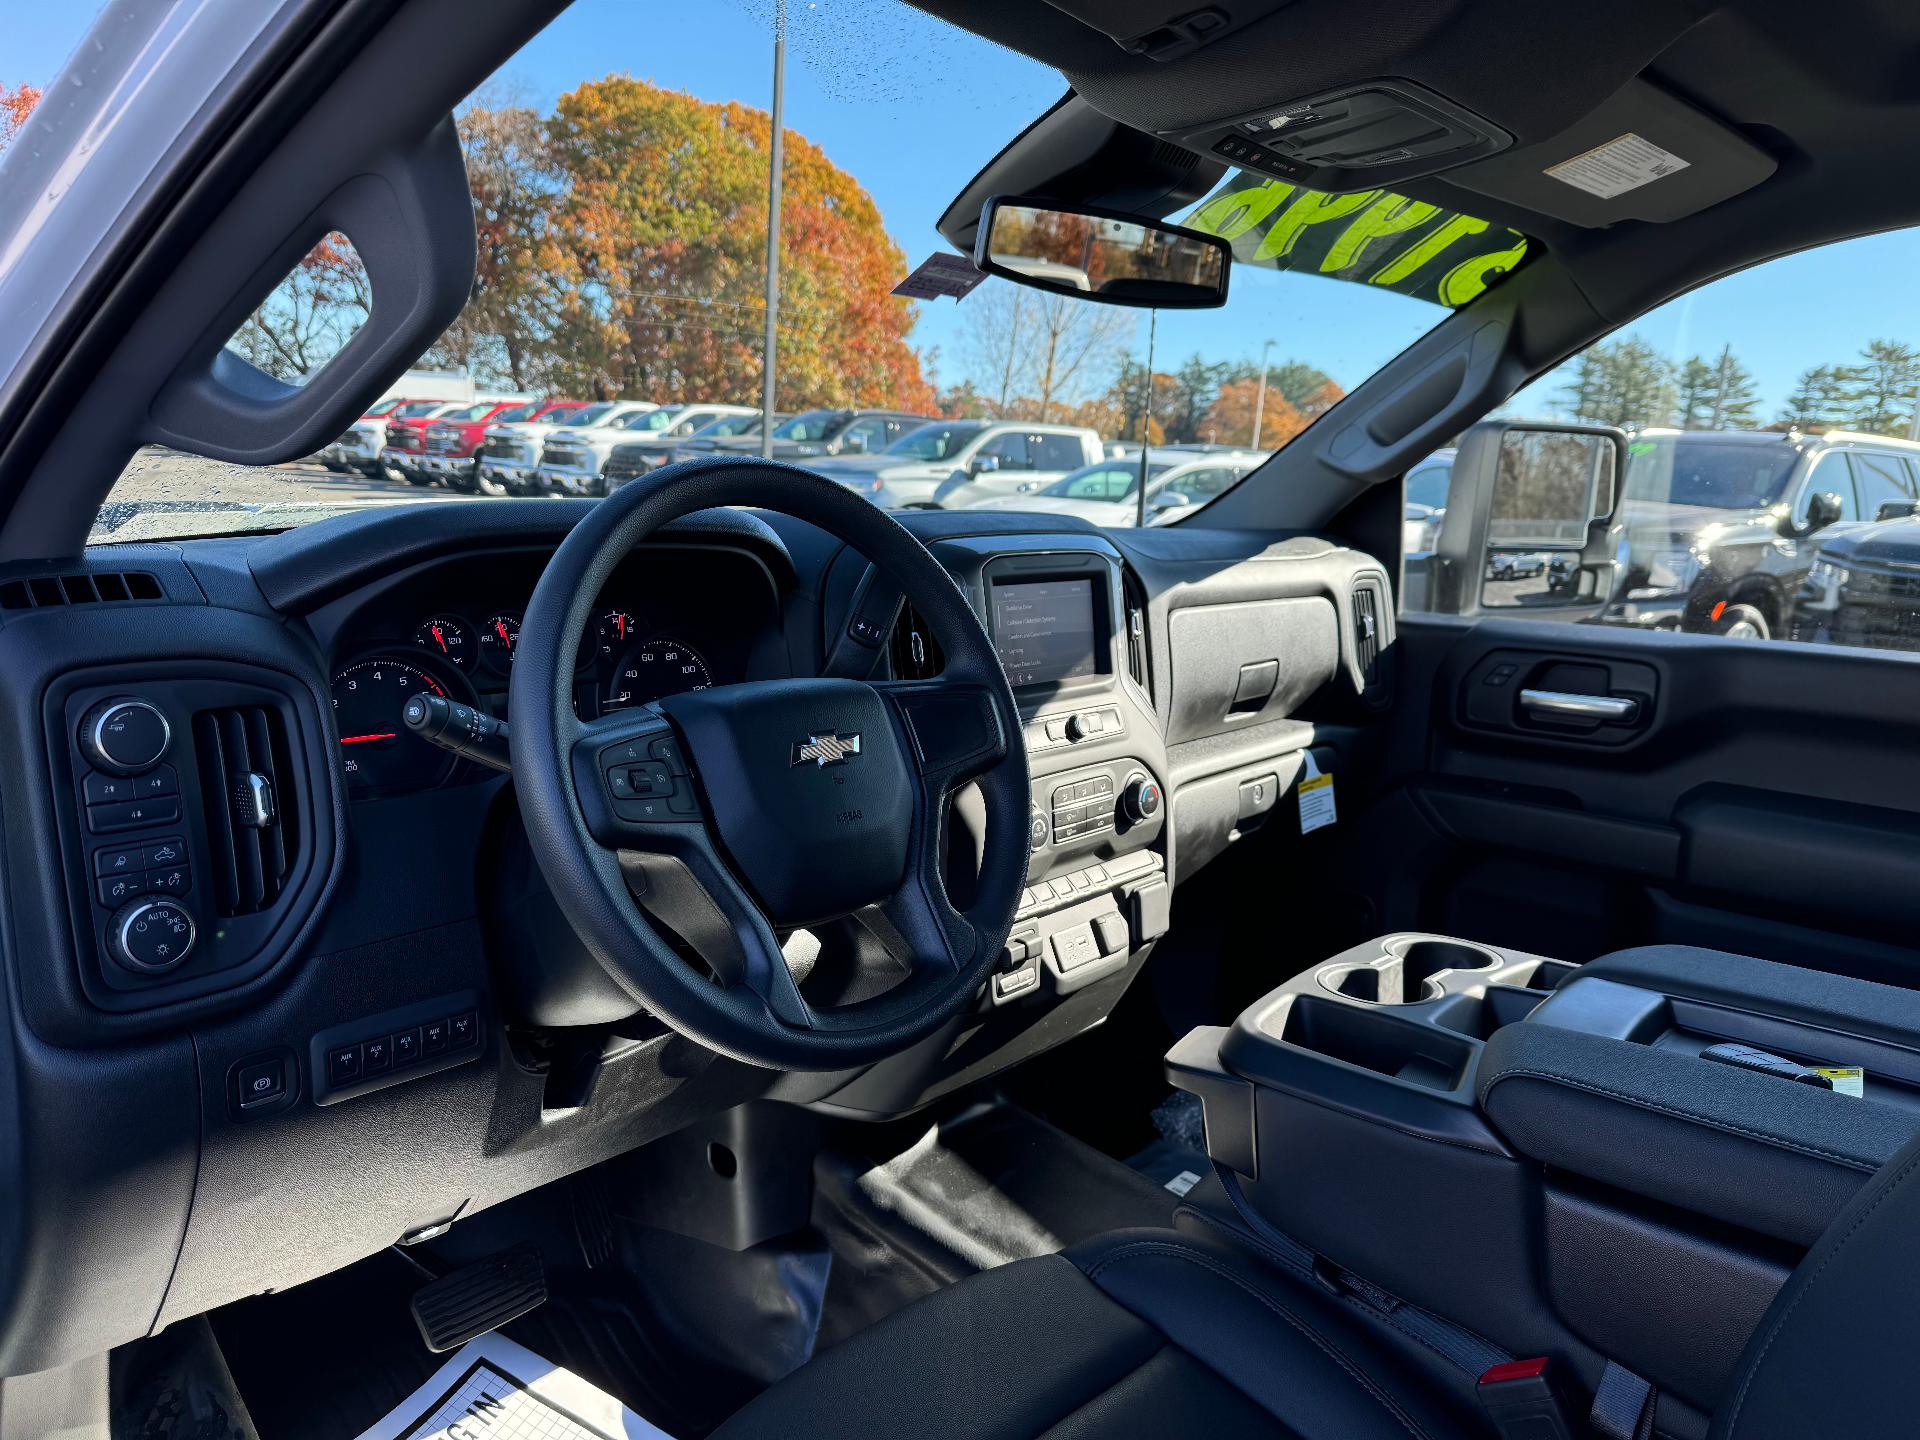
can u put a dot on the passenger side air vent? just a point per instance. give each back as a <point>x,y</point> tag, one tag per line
<point>107,587</point>
<point>1134,596</point>
<point>1370,638</point>
<point>912,650</point>
<point>243,756</point>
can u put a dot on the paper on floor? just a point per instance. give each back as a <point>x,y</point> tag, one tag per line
<point>493,1389</point>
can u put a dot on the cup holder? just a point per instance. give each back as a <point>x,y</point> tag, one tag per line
<point>1405,975</point>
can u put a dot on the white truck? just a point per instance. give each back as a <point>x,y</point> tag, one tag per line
<point>954,463</point>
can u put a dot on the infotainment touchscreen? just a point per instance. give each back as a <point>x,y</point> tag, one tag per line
<point>1044,630</point>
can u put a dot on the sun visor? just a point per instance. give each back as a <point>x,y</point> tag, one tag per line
<point>1642,155</point>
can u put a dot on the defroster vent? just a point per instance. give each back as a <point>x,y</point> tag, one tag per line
<point>243,758</point>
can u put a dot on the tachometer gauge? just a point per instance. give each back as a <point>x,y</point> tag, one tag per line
<point>499,638</point>
<point>448,639</point>
<point>612,635</point>
<point>654,668</point>
<point>379,754</point>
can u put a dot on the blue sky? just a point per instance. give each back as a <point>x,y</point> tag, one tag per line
<point>913,108</point>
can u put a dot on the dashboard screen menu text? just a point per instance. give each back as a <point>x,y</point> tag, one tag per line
<point>1044,630</point>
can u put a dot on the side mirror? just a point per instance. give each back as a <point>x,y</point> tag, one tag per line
<point>854,445</point>
<point>983,464</point>
<point>1823,509</point>
<point>1108,256</point>
<point>1529,522</point>
<point>1168,500</point>
<point>1897,510</point>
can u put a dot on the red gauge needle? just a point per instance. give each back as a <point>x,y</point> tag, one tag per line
<point>363,739</point>
<point>500,628</point>
<point>439,639</point>
<point>620,624</point>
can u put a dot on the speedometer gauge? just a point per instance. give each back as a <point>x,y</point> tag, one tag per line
<point>377,751</point>
<point>654,668</point>
<point>499,637</point>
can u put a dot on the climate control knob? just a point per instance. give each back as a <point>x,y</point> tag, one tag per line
<point>125,737</point>
<point>1141,798</point>
<point>150,936</point>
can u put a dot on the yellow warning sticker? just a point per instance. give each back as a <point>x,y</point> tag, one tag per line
<point>1845,1079</point>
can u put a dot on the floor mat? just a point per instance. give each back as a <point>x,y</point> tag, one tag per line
<point>992,1185</point>
<point>1177,1161</point>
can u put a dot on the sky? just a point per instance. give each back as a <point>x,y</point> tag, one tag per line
<point>913,109</point>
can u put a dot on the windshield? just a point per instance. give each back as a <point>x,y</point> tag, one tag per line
<point>934,442</point>
<point>515,413</point>
<point>814,425</point>
<point>619,167</point>
<point>1684,470</point>
<point>472,412</point>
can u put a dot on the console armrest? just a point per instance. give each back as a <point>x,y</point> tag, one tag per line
<point>1758,1152</point>
<point>1784,992</point>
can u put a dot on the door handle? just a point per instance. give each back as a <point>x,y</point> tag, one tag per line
<point>1567,705</point>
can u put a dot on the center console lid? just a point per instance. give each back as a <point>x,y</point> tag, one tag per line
<point>1609,1078</point>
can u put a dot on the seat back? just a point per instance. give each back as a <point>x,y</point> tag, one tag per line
<point>1835,1354</point>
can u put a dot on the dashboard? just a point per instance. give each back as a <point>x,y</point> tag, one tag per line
<point>672,619</point>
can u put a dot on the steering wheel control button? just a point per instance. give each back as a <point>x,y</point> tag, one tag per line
<point>666,749</point>
<point>125,737</point>
<point>151,937</point>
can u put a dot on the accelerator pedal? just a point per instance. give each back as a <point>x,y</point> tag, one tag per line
<point>480,1297</point>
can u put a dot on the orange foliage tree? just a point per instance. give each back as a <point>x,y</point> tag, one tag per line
<point>655,255</point>
<point>15,105</point>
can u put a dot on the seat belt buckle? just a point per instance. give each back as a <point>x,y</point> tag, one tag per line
<point>1520,1400</point>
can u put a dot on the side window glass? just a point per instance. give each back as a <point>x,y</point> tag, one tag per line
<point>1055,452</point>
<point>1881,479</point>
<point>1009,449</point>
<point>1831,475</point>
<point>866,436</point>
<point>1427,486</point>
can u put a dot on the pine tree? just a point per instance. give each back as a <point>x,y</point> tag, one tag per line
<point>1735,402</point>
<point>1820,398</point>
<point>1884,385</point>
<point>1696,389</point>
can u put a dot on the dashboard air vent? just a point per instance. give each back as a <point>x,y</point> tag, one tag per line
<point>1372,634</point>
<point>1135,596</point>
<point>42,592</point>
<point>914,653</point>
<point>243,758</point>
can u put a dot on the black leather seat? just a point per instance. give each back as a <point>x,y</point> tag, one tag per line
<point>1167,1334</point>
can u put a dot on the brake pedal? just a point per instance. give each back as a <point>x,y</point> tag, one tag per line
<point>480,1297</point>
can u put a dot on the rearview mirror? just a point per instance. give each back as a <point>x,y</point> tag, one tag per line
<point>1107,256</point>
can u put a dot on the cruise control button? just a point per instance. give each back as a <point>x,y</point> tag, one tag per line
<point>620,782</point>
<point>666,749</point>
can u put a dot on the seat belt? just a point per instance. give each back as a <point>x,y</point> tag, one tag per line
<point>1623,1405</point>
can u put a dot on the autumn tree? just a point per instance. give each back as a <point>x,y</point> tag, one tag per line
<point>311,314</point>
<point>655,254</point>
<point>1230,419</point>
<point>15,105</point>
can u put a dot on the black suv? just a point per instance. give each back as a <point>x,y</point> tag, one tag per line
<point>1864,586</point>
<point>1718,523</point>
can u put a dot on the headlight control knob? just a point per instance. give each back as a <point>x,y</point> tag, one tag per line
<point>151,936</point>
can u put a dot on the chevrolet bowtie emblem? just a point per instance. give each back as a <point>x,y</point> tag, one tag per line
<point>834,747</point>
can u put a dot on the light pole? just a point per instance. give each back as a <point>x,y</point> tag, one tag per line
<point>770,358</point>
<point>1260,397</point>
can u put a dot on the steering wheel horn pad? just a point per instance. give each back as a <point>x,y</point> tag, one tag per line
<point>793,801</point>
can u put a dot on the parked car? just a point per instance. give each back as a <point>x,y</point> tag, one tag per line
<point>1425,503</point>
<point>944,455</point>
<point>825,432</point>
<point>710,439</point>
<point>1863,587</point>
<point>509,454</point>
<point>416,386</point>
<point>359,449</point>
<point>1717,522</point>
<point>453,442</point>
<point>1107,491</point>
<point>655,435</point>
<point>334,456</point>
<point>572,457</point>
<point>403,456</point>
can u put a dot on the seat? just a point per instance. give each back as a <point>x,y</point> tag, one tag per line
<point>1172,1334</point>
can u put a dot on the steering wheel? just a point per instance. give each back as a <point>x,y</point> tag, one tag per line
<point>734,813</point>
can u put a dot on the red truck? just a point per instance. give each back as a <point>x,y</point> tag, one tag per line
<point>452,443</point>
<point>403,453</point>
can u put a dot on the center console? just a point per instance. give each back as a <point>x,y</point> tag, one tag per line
<point>1097,887</point>
<point>1617,1161</point>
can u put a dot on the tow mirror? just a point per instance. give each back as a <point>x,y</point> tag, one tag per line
<point>983,464</point>
<point>1529,523</point>
<point>1107,256</point>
